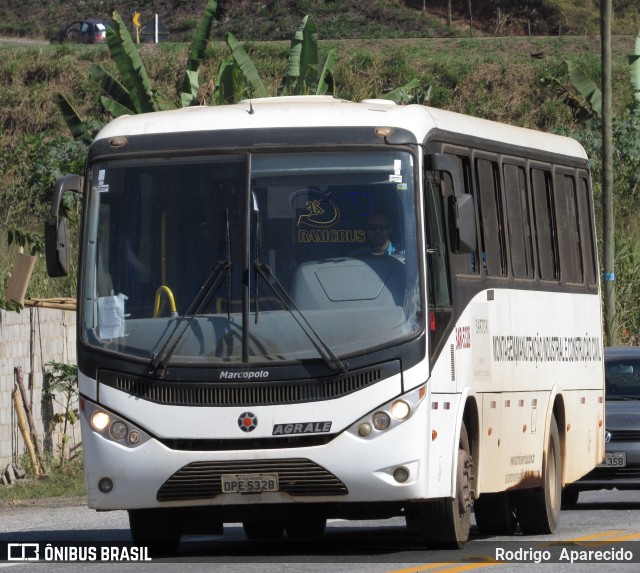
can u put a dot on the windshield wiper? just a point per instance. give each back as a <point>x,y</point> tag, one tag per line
<point>159,361</point>
<point>330,358</point>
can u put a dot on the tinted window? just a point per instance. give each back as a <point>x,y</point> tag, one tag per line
<point>542,193</point>
<point>518,221</point>
<point>489,205</point>
<point>568,229</point>
<point>586,231</point>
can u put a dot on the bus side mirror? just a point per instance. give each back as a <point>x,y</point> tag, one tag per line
<point>55,228</point>
<point>461,207</point>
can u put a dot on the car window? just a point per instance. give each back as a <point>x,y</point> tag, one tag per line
<point>622,377</point>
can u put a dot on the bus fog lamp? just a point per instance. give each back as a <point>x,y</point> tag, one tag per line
<point>100,420</point>
<point>105,485</point>
<point>401,474</point>
<point>364,429</point>
<point>400,410</point>
<point>381,420</point>
<point>118,430</point>
<point>134,437</point>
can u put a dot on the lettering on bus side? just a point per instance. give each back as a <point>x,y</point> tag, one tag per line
<point>301,428</point>
<point>463,337</point>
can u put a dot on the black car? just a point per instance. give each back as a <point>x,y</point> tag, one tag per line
<point>621,466</point>
<point>84,32</point>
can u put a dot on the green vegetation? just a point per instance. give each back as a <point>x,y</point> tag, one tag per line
<point>62,480</point>
<point>493,78</point>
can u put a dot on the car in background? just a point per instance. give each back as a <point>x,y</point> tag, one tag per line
<point>621,467</point>
<point>90,31</point>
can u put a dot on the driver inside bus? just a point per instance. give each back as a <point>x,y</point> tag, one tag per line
<point>379,232</point>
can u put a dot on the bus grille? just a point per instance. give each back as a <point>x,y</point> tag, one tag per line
<point>298,477</point>
<point>218,393</point>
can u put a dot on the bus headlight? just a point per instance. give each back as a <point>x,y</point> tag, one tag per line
<point>400,410</point>
<point>389,415</point>
<point>381,420</point>
<point>118,430</point>
<point>111,426</point>
<point>100,420</point>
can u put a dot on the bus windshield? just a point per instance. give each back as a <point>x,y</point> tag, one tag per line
<point>251,257</point>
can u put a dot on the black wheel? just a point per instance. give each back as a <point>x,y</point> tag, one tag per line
<point>495,514</point>
<point>445,523</point>
<point>264,529</point>
<point>157,529</point>
<point>538,510</point>
<point>570,496</point>
<point>306,528</point>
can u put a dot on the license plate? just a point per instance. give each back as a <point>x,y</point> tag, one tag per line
<point>614,460</point>
<point>249,483</point>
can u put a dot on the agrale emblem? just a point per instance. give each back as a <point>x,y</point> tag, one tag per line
<point>247,421</point>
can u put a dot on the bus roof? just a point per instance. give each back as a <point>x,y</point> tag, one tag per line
<point>328,111</point>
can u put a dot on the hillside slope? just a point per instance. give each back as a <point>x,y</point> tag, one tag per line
<point>336,19</point>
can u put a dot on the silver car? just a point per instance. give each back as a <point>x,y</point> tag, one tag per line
<point>621,466</point>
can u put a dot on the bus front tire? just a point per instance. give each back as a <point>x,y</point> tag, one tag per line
<point>263,529</point>
<point>156,529</point>
<point>445,523</point>
<point>538,510</point>
<point>307,528</point>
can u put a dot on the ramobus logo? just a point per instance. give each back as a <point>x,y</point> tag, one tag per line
<point>243,374</point>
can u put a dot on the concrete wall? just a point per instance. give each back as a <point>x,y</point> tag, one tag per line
<point>29,340</point>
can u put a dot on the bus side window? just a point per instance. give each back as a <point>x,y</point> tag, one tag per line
<point>586,231</point>
<point>545,224</point>
<point>491,227</point>
<point>569,246</point>
<point>440,309</point>
<point>518,220</point>
<point>463,263</point>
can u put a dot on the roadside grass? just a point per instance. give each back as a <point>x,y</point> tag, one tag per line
<point>62,480</point>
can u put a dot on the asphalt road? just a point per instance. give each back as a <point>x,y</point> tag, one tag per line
<point>602,521</point>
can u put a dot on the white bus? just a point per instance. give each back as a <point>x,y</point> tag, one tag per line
<point>246,355</point>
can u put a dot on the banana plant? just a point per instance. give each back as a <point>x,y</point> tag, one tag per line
<point>591,92</point>
<point>191,80</point>
<point>306,75</point>
<point>136,86</point>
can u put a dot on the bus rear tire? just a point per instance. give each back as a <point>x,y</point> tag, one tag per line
<point>570,496</point>
<point>156,529</point>
<point>538,510</point>
<point>495,514</point>
<point>445,523</point>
